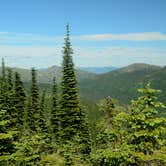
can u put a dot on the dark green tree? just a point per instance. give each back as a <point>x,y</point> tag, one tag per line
<point>3,83</point>
<point>6,138</point>
<point>19,99</point>
<point>6,96</point>
<point>3,70</point>
<point>42,120</point>
<point>140,134</point>
<point>7,133</point>
<point>72,119</point>
<point>146,130</point>
<point>9,79</point>
<point>33,110</point>
<point>54,123</point>
<point>70,111</point>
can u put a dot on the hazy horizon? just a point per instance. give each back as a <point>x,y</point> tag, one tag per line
<point>103,33</point>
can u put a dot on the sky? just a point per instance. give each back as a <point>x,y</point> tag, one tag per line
<point>103,32</point>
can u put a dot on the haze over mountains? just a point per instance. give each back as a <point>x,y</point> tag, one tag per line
<point>121,83</point>
<point>99,70</point>
<point>46,75</point>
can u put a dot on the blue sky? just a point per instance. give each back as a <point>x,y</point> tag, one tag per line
<point>103,32</point>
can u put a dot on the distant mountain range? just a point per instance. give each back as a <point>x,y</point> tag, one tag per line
<point>46,75</point>
<point>99,70</point>
<point>121,84</point>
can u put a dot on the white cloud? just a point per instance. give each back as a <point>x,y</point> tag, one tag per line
<point>119,56</point>
<point>12,37</point>
<point>45,56</point>
<point>145,36</point>
<point>23,55</point>
<point>31,56</point>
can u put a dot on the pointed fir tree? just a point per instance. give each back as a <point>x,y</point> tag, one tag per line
<point>69,114</point>
<point>71,117</point>
<point>54,109</point>
<point>19,99</point>
<point>3,86</point>
<point>140,133</point>
<point>6,121</point>
<point>3,82</point>
<point>6,139</point>
<point>3,70</point>
<point>42,119</point>
<point>146,130</point>
<point>33,114</point>
<point>9,79</point>
<point>6,97</point>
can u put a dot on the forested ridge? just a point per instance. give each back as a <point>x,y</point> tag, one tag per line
<point>94,87</point>
<point>57,129</point>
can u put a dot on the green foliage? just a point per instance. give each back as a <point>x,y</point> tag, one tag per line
<point>71,117</point>
<point>6,138</point>
<point>19,99</point>
<point>54,110</point>
<point>29,149</point>
<point>136,136</point>
<point>69,113</point>
<point>55,159</point>
<point>9,79</point>
<point>144,128</point>
<point>42,119</point>
<point>3,71</point>
<point>33,109</point>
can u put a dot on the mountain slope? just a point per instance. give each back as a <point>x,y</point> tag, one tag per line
<point>99,70</point>
<point>46,75</point>
<point>123,83</point>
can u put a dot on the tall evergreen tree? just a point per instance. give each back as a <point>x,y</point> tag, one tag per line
<point>33,114</point>
<point>3,82</point>
<point>54,109</point>
<point>19,99</point>
<point>6,96</point>
<point>6,120</point>
<point>71,117</point>
<point>70,112</point>
<point>9,79</point>
<point>3,86</point>
<point>42,119</point>
<point>3,70</point>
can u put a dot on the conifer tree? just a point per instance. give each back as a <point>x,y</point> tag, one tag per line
<point>6,96</point>
<point>139,134</point>
<point>3,70</point>
<point>69,114</point>
<point>71,117</point>
<point>108,107</point>
<point>33,114</point>
<point>145,129</point>
<point>19,99</point>
<point>9,79</point>
<point>3,82</point>
<point>6,132</point>
<point>54,109</point>
<point>42,119</point>
<point>6,138</point>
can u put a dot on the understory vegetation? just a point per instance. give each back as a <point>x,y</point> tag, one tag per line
<point>58,129</point>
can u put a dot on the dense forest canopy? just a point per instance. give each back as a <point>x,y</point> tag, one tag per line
<point>58,129</point>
